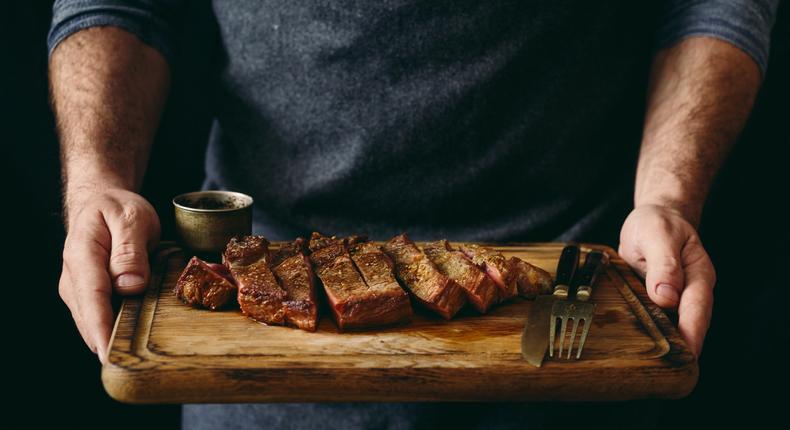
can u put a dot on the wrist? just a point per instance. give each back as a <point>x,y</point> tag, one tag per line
<point>81,178</point>
<point>692,213</point>
<point>656,186</point>
<point>87,185</point>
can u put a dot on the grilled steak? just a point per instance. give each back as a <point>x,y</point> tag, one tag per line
<point>496,266</point>
<point>388,302</point>
<point>428,285</point>
<point>205,284</point>
<point>298,246</point>
<point>531,280</point>
<point>260,296</point>
<point>480,290</point>
<point>292,269</point>
<point>354,304</point>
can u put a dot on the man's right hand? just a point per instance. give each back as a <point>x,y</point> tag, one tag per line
<point>110,233</point>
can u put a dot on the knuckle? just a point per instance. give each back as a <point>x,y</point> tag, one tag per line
<point>670,263</point>
<point>62,292</point>
<point>129,215</point>
<point>701,307</point>
<point>128,253</point>
<point>69,254</point>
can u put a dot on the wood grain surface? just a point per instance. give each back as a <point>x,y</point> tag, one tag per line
<point>165,352</point>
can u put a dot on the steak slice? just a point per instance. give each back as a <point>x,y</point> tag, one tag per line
<point>480,290</point>
<point>354,302</point>
<point>531,280</point>
<point>260,296</point>
<point>496,266</point>
<point>428,285</point>
<point>345,289</point>
<point>389,303</point>
<point>288,250</point>
<point>296,277</point>
<point>205,285</point>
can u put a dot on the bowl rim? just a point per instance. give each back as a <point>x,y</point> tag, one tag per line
<point>248,200</point>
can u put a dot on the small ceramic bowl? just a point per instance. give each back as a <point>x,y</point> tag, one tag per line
<point>206,220</point>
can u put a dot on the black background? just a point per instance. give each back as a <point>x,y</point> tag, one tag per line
<point>52,372</point>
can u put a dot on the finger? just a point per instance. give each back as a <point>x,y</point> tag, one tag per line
<point>696,302</point>
<point>66,292</point>
<point>86,258</point>
<point>64,287</point>
<point>664,276</point>
<point>128,265</point>
<point>634,258</point>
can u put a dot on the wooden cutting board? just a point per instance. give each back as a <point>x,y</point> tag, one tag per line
<point>165,352</point>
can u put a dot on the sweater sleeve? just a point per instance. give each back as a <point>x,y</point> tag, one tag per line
<point>744,23</point>
<point>155,22</point>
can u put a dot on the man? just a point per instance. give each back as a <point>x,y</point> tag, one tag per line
<point>468,120</point>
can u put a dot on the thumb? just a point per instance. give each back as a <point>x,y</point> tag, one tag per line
<point>664,276</point>
<point>128,265</point>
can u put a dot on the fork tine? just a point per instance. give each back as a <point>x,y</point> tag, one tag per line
<point>552,330</point>
<point>564,319</point>
<point>573,335</point>
<point>585,329</point>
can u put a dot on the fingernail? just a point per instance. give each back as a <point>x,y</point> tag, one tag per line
<point>128,280</point>
<point>668,292</point>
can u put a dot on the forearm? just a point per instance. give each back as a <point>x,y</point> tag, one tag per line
<point>108,92</point>
<point>700,94</point>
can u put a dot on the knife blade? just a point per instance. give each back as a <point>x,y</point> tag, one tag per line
<point>535,338</point>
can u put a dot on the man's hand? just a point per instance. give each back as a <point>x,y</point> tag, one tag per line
<point>701,91</point>
<point>110,234</point>
<point>108,92</point>
<point>665,248</point>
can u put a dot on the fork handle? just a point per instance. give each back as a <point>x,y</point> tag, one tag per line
<point>566,268</point>
<point>593,264</point>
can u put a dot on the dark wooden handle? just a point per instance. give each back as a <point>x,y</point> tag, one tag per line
<point>566,268</point>
<point>586,277</point>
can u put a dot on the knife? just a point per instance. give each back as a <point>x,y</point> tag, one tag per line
<point>535,338</point>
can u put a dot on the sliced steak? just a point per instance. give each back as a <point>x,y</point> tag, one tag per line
<point>428,285</point>
<point>296,277</point>
<point>345,288</point>
<point>260,296</point>
<point>531,280</point>
<point>355,303</point>
<point>480,290</point>
<point>205,285</point>
<point>389,303</point>
<point>496,266</point>
<point>288,250</point>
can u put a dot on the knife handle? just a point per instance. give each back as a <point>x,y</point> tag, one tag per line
<point>593,264</point>
<point>566,268</point>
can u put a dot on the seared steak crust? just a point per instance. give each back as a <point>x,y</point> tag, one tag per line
<point>496,266</point>
<point>366,284</point>
<point>356,303</point>
<point>531,280</point>
<point>417,273</point>
<point>345,289</point>
<point>205,285</point>
<point>288,250</point>
<point>480,290</point>
<point>260,296</point>
<point>389,303</point>
<point>297,279</point>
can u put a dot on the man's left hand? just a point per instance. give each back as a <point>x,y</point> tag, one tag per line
<point>660,244</point>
